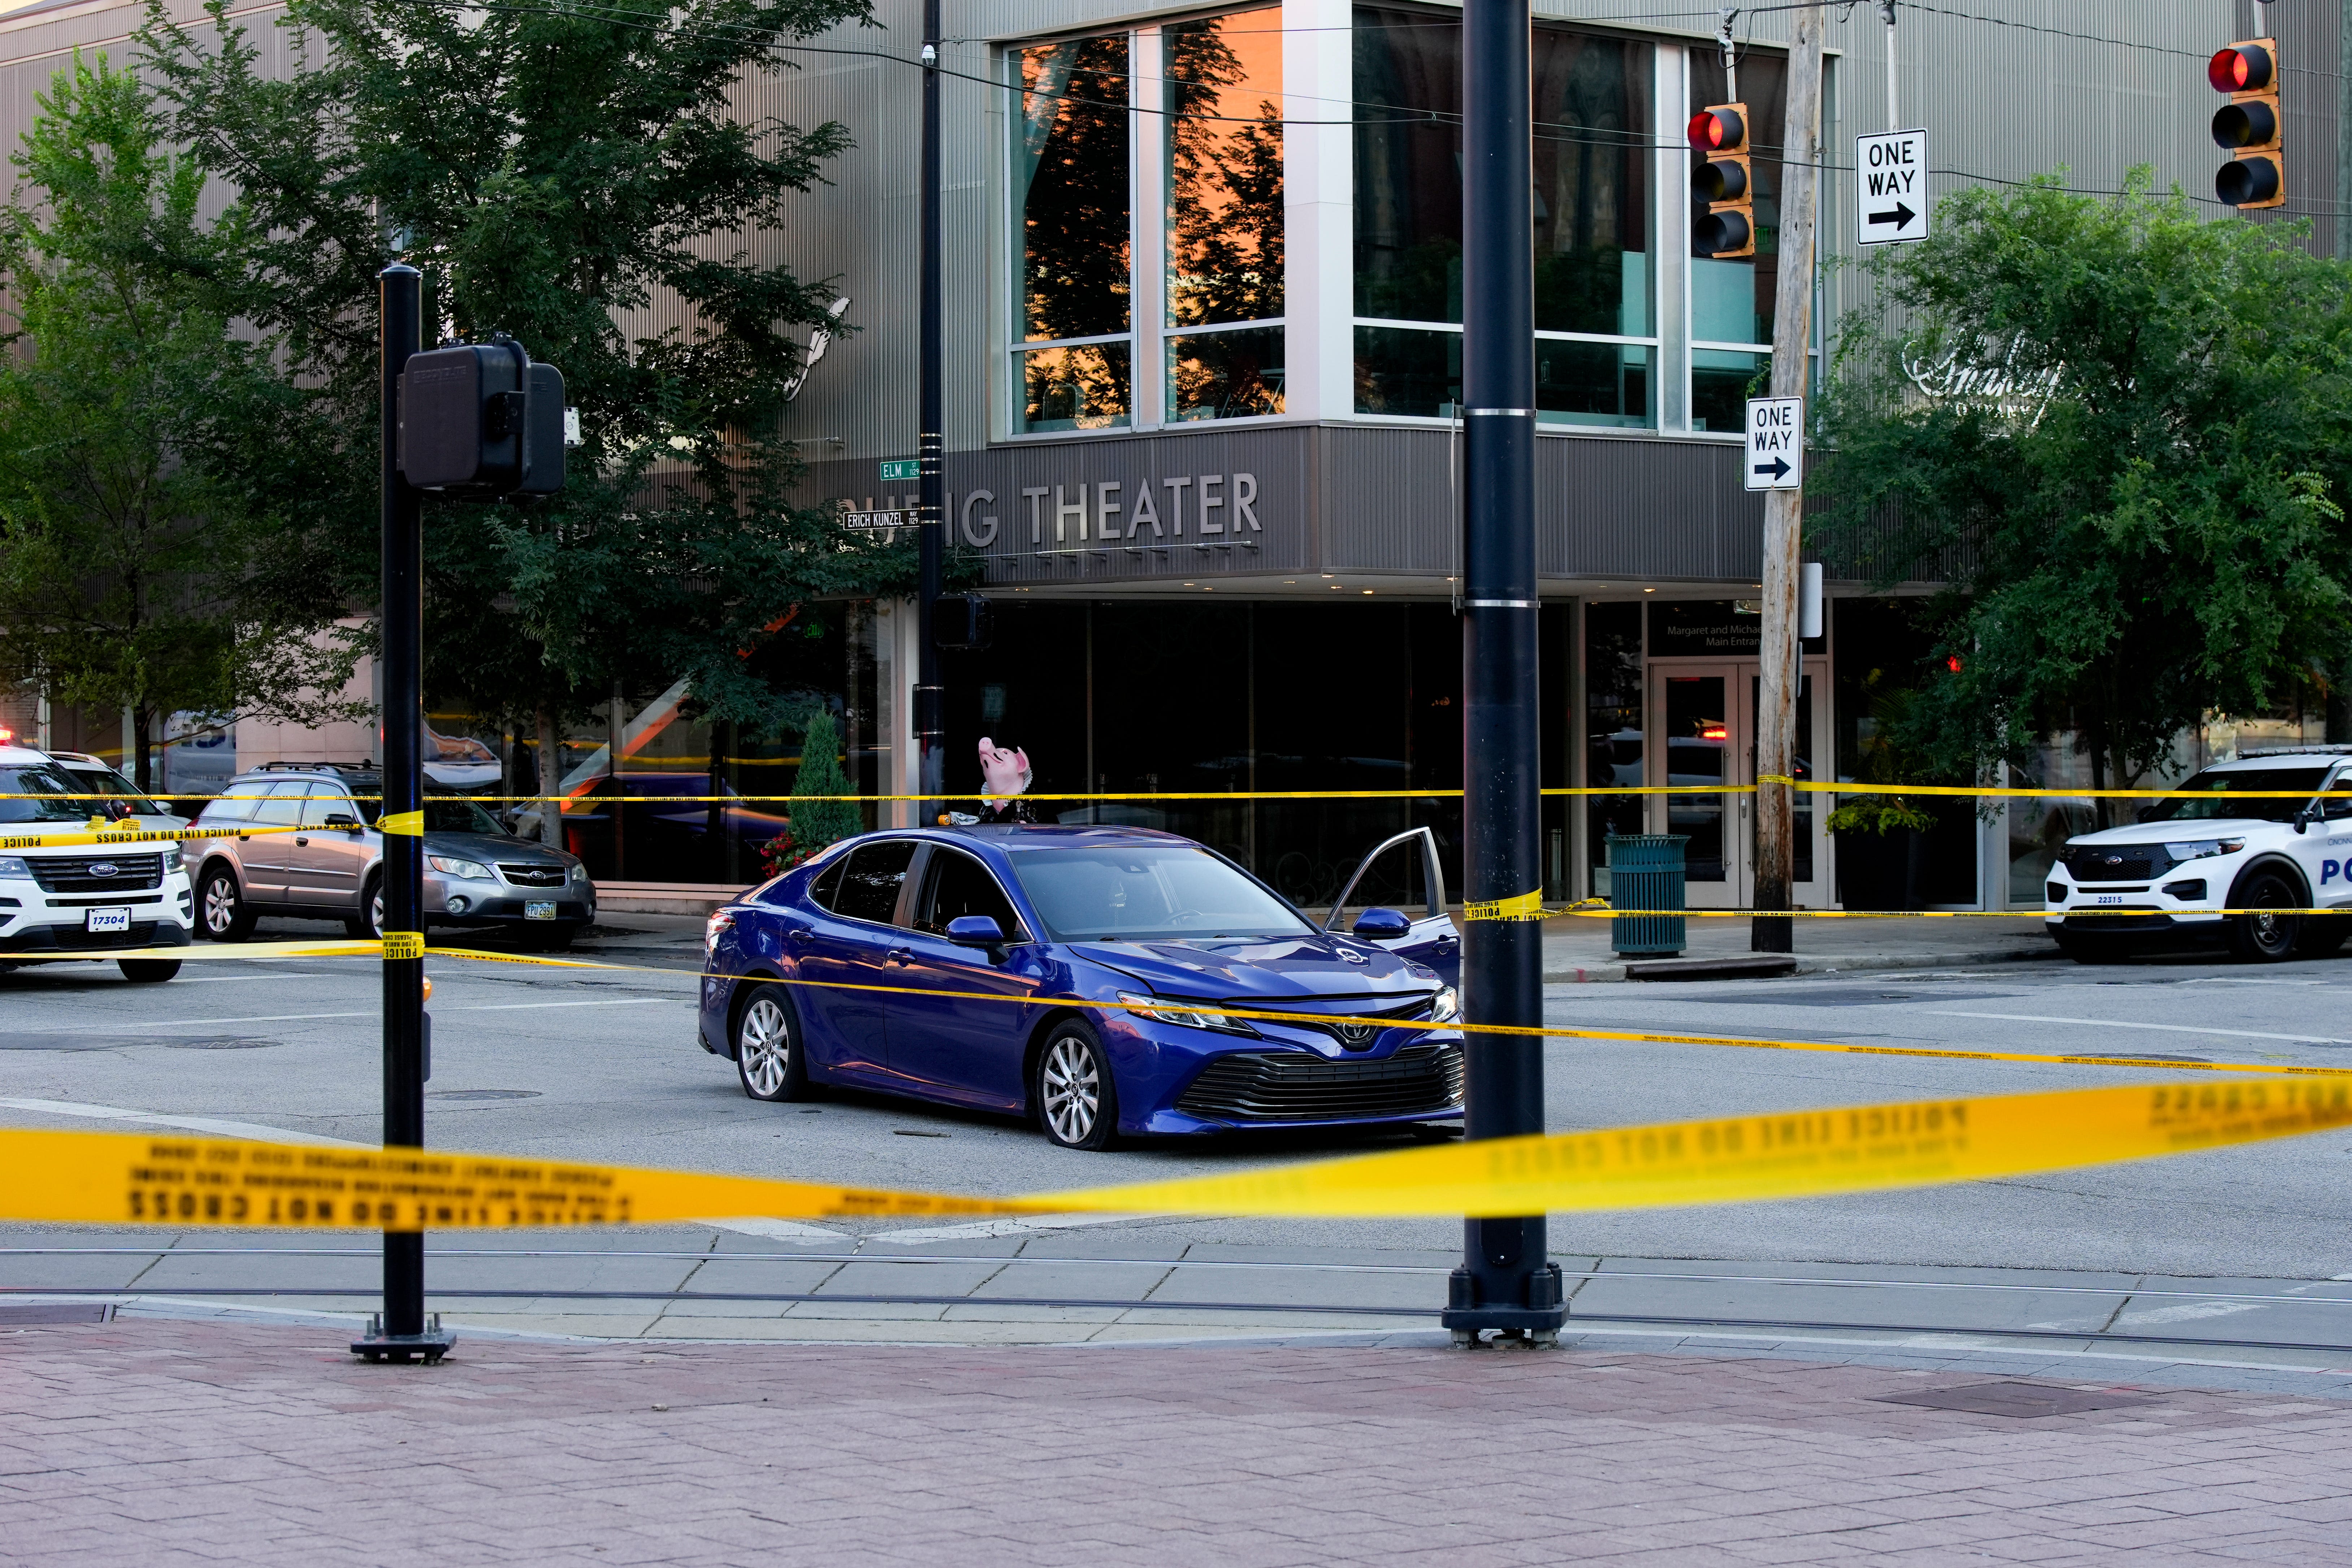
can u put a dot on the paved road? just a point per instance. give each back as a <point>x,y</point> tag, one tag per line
<point>602,1066</point>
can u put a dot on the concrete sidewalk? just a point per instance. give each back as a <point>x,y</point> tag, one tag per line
<point>166,1443</point>
<point>1576,948</point>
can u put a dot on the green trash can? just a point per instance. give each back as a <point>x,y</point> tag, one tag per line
<point>1645,872</point>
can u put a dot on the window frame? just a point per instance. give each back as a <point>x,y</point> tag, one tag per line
<point>940,855</point>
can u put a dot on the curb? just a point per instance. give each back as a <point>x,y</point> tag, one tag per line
<point>1828,963</point>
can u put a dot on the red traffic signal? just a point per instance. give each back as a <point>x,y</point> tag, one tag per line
<point>1724,182</point>
<point>2249,125</point>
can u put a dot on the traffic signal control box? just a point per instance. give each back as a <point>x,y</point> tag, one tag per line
<point>481,419</point>
<point>1723,181</point>
<point>2251,125</point>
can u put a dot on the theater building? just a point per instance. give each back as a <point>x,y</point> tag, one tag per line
<point>1203,307</point>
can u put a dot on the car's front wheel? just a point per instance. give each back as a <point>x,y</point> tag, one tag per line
<point>368,924</point>
<point>767,1056</point>
<point>222,907</point>
<point>2261,934</point>
<point>1072,1091</point>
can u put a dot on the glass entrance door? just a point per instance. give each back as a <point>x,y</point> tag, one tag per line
<point>1704,733</point>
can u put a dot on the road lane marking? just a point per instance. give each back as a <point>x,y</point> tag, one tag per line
<point>375,1012</point>
<point>2160,1028</point>
<point>608,1002</point>
<point>254,1131</point>
<point>775,1230</point>
<point>982,1229</point>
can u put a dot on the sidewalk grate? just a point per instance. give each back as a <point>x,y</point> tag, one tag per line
<point>2023,1400</point>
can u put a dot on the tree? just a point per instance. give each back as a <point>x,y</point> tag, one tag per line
<point>2120,433</point>
<point>141,567</point>
<point>574,178</point>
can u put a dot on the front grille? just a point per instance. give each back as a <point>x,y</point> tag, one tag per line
<point>77,874</point>
<point>1293,1086</point>
<point>67,939</point>
<point>2134,864</point>
<point>1355,1031</point>
<point>533,876</point>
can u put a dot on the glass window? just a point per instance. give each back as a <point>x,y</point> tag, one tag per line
<point>445,814</point>
<point>323,800</point>
<point>282,807</point>
<point>236,804</point>
<point>1147,892</point>
<point>1612,725</point>
<point>1722,380</point>
<point>1590,206</point>
<point>960,885</point>
<point>869,888</point>
<point>827,885</point>
<point>1070,186</point>
<point>42,783</point>
<point>1223,94</point>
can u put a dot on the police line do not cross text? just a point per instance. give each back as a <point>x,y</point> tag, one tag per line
<point>1776,443</point>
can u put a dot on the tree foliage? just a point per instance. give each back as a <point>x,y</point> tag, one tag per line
<point>141,566</point>
<point>2131,470</point>
<point>583,180</point>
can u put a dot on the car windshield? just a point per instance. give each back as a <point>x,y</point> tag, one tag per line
<point>107,781</point>
<point>42,783</point>
<point>1149,893</point>
<point>2217,795</point>
<point>456,814</point>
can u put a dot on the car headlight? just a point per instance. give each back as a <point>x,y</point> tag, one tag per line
<point>2201,849</point>
<point>13,865</point>
<point>1447,1006</point>
<point>579,871</point>
<point>467,870</point>
<point>1163,1012</point>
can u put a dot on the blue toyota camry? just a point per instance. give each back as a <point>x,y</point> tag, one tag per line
<point>995,931</point>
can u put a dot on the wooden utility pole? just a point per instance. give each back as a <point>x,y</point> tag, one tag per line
<point>1784,510</point>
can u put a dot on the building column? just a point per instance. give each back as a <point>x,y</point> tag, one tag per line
<point>1319,209</point>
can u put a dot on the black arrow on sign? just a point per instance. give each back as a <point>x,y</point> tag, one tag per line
<point>1778,468</point>
<point>1900,217</point>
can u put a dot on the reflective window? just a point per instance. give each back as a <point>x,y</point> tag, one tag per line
<point>236,804</point>
<point>827,885</point>
<point>323,800</point>
<point>1223,94</point>
<point>1595,330</point>
<point>50,789</point>
<point>1612,724</point>
<point>958,885</point>
<point>282,807</point>
<point>1149,893</point>
<point>869,888</point>
<point>1070,187</point>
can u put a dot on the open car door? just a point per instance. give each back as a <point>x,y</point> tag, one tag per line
<point>1384,879</point>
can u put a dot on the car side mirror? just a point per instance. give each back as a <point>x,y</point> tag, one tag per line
<point>1381,924</point>
<point>343,819</point>
<point>2303,819</point>
<point>975,931</point>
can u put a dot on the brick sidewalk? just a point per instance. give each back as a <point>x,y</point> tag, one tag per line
<point>164,1442</point>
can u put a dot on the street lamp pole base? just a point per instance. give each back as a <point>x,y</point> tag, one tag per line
<point>1535,1318</point>
<point>428,1347</point>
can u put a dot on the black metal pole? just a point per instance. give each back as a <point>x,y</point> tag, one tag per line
<point>1506,1280</point>
<point>401,1333</point>
<point>930,718</point>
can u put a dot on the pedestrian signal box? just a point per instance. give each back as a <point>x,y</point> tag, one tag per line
<point>2250,126</point>
<point>1723,181</point>
<point>481,419</point>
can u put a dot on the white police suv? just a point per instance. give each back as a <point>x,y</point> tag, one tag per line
<point>2251,835</point>
<point>57,898</point>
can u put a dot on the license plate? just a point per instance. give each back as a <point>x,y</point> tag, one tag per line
<point>106,920</point>
<point>539,912</point>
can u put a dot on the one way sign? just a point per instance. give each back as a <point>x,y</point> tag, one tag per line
<point>1776,443</point>
<point>1893,205</point>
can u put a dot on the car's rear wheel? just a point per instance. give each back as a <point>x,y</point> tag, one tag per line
<point>148,971</point>
<point>767,1056</point>
<point>2258,935</point>
<point>1075,1101</point>
<point>222,907</point>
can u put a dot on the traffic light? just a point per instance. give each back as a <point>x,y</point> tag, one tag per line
<point>481,419</point>
<point>2250,124</point>
<point>1728,227</point>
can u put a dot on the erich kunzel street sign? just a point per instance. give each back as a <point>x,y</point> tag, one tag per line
<point>1893,205</point>
<point>1776,443</point>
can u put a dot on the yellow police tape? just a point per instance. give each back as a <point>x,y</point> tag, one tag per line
<point>118,1178</point>
<point>351,949</point>
<point>1808,786</point>
<point>96,834</point>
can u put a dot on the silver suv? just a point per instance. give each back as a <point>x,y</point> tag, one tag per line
<point>332,866</point>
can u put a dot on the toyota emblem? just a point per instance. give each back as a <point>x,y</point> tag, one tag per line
<point>103,868</point>
<point>1357,1033</point>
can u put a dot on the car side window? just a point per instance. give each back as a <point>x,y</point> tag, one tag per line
<point>827,885</point>
<point>958,885</point>
<point>870,883</point>
<point>282,807</point>
<point>236,804</point>
<point>326,801</point>
<point>2340,807</point>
